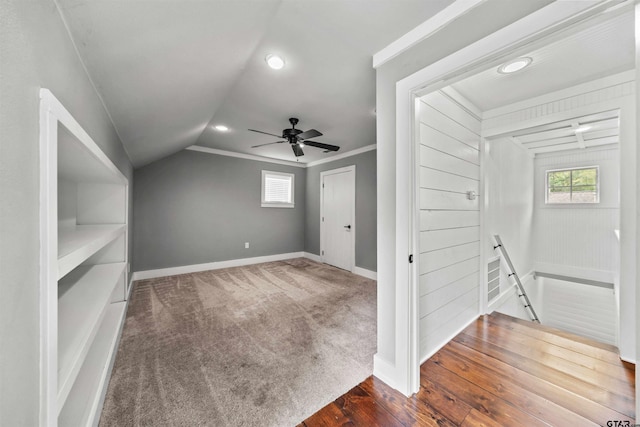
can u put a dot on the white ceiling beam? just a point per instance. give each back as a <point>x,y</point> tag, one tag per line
<point>579,137</point>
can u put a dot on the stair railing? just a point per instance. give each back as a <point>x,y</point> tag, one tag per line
<point>521,292</point>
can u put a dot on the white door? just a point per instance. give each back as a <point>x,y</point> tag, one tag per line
<point>337,224</point>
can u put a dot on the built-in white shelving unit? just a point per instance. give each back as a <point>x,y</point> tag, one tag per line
<point>84,286</point>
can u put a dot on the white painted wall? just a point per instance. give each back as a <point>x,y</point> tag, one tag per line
<point>449,223</point>
<point>596,261</point>
<point>508,189</point>
<point>579,240</point>
<point>589,311</point>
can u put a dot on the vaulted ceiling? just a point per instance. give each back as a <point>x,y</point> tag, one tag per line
<point>170,70</point>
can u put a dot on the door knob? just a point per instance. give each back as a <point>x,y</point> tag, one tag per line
<point>348,226</point>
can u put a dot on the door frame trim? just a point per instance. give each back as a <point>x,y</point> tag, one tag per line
<point>352,170</point>
<point>540,27</point>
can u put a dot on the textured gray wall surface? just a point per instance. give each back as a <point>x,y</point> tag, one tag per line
<point>36,51</point>
<point>366,252</point>
<point>194,208</point>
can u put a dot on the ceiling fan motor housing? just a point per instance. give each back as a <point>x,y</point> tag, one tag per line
<point>290,135</point>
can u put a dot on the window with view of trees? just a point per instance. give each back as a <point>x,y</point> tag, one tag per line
<point>578,185</point>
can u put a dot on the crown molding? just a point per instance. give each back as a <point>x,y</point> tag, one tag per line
<point>244,156</point>
<point>281,162</point>
<point>343,155</point>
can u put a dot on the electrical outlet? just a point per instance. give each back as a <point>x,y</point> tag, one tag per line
<point>246,245</point>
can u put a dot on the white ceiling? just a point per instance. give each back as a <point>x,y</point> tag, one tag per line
<point>594,130</point>
<point>597,51</point>
<point>169,69</point>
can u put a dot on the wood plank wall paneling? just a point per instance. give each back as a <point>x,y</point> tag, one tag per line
<point>561,105</point>
<point>499,371</point>
<point>589,311</point>
<point>449,237</point>
<point>579,236</point>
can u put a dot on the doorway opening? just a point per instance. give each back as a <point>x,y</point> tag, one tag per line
<point>509,118</point>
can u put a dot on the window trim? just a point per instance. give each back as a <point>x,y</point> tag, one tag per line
<point>264,203</point>
<point>546,186</point>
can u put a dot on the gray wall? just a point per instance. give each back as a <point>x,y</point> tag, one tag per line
<point>481,21</point>
<point>365,207</point>
<point>193,208</point>
<point>36,52</point>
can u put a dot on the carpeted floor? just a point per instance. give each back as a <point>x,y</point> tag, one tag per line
<point>261,345</point>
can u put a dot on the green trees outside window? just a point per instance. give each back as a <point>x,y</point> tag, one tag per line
<point>573,186</point>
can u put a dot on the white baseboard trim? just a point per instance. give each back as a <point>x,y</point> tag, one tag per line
<point>508,293</point>
<point>383,370</point>
<point>172,271</point>
<point>365,273</point>
<point>444,342</point>
<point>356,270</point>
<point>502,298</point>
<point>628,360</point>
<point>312,257</point>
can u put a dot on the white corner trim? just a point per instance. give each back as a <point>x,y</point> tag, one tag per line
<point>63,17</point>
<point>424,30</point>
<point>243,156</point>
<point>281,162</point>
<point>383,370</point>
<point>194,268</point>
<point>312,257</point>
<point>365,273</point>
<point>343,155</point>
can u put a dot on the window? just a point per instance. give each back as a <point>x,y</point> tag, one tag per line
<point>579,185</point>
<point>277,189</point>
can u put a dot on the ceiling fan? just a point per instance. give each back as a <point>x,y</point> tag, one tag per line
<point>298,139</point>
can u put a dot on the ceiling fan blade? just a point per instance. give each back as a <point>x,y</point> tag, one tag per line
<point>311,133</point>
<point>268,143</point>
<point>266,133</point>
<point>327,147</point>
<point>297,150</point>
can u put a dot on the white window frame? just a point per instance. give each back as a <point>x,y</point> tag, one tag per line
<point>266,204</point>
<point>546,186</point>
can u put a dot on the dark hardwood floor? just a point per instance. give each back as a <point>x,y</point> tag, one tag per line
<point>500,371</point>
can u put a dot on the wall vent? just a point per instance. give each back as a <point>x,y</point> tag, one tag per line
<point>493,278</point>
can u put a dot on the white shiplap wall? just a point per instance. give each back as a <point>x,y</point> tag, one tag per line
<point>449,239</point>
<point>584,310</point>
<point>574,242</point>
<point>578,240</point>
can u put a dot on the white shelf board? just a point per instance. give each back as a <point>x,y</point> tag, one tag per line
<point>84,400</point>
<point>83,162</point>
<point>84,296</point>
<point>76,244</point>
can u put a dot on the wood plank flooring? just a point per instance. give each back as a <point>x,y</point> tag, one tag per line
<point>500,371</point>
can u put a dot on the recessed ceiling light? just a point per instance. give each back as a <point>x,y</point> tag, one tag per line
<point>515,65</point>
<point>221,128</point>
<point>582,128</point>
<point>274,61</point>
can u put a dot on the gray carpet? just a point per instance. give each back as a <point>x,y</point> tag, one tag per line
<point>261,345</point>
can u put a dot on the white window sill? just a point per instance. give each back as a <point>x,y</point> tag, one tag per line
<point>277,205</point>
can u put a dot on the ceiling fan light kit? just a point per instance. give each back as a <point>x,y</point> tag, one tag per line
<point>298,139</point>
